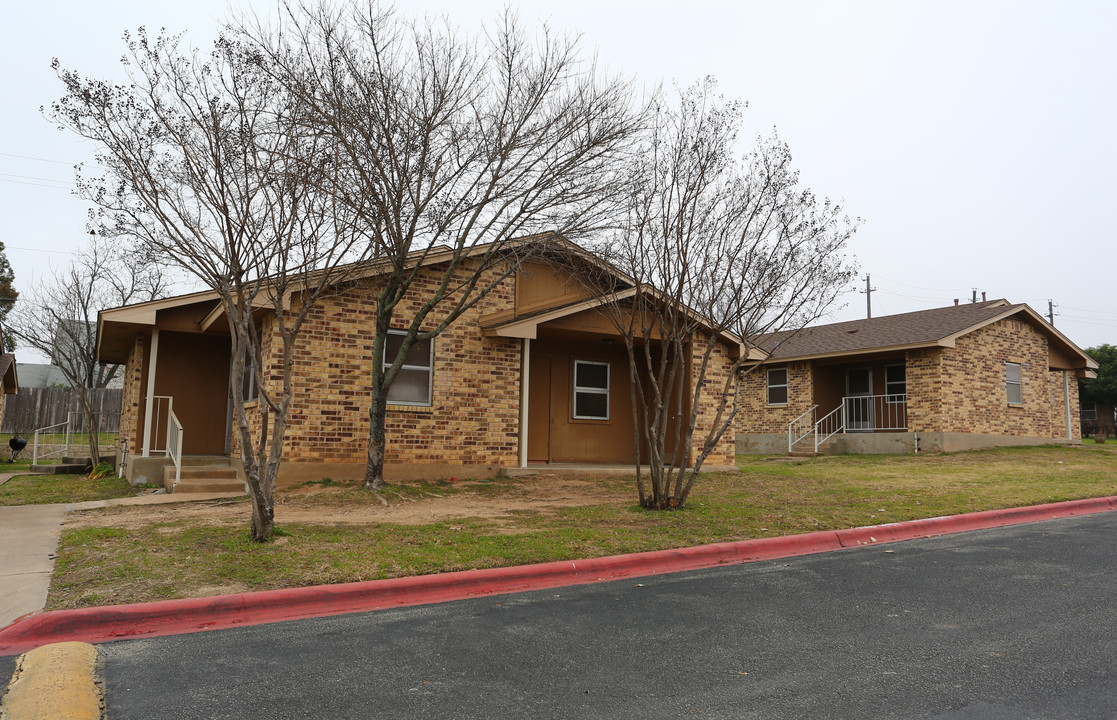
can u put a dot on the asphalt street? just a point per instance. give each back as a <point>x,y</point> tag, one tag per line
<point>1009,623</point>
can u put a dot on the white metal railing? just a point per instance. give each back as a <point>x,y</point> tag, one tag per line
<point>829,425</point>
<point>174,442</point>
<point>857,413</point>
<point>868,413</point>
<point>800,428</point>
<point>57,440</point>
<point>59,449</point>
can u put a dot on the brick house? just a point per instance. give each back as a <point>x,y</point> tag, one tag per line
<point>532,374</point>
<point>960,377</point>
<point>1098,418</point>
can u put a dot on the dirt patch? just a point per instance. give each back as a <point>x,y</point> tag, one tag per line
<point>540,494</point>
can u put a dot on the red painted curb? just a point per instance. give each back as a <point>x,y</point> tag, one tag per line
<point>170,617</point>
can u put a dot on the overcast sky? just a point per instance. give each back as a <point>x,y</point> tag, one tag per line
<point>975,139</point>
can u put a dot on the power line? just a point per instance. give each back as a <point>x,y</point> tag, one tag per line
<point>28,157</point>
<point>24,182</point>
<point>26,249</point>
<point>1085,310</point>
<point>920,287</point>
<point>30,177</point>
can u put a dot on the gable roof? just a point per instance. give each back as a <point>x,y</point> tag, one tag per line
<point>939,327</point>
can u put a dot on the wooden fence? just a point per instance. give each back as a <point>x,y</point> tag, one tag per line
<point>35,408</point>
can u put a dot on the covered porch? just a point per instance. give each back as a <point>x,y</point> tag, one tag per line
<point>865,396</point>
<point>177,410</point>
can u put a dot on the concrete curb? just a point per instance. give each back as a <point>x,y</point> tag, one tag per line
<point>170,617</point>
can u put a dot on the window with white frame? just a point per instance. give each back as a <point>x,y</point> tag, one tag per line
<point>895,383</point>
<point>591,390</point>
<point>777,386</point>
<point>1014,384</point>
<point>413,383</point>
<point>1089,410</point>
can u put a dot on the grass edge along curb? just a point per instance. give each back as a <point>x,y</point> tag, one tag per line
<point>171,617</point>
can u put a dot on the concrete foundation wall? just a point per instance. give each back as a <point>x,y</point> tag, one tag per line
<point>889,443</point>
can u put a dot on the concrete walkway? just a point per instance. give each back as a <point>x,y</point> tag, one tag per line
<point>29,539</point>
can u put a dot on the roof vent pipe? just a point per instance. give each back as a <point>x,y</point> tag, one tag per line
<point>983,296</point>
<point>955,301</point>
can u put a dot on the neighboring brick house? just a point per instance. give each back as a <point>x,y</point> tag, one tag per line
<point>1098,418</point>
<point>965,376</point>
<point>533,373</point>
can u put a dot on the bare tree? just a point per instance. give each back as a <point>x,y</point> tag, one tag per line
<point>209,165</point>
<point>720,249</point>
<point>59,318</point>
<point>452,149</point>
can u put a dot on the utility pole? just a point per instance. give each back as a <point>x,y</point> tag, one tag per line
<point>868,292</point>
<point>1051,312</point>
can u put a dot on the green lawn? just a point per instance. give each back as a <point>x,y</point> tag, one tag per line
<point>42,489</point>
<point>122,559</point>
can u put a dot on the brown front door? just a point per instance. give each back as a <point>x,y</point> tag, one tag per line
<point>539,409</point>
<point>194,370</point>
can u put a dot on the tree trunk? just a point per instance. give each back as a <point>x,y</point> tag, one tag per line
<point>377,442</point>
<point>263,516</point>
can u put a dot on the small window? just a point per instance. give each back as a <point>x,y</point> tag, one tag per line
<point>1013,384</point>
<point>777,386</point>
<point>895,383</point>
<point>591,390</point>
<point>1089,411</point>
<point>412,385</point>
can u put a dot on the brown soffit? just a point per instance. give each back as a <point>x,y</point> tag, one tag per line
<point>499,325</point>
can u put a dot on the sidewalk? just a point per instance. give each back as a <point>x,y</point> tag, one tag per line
<point>29,538</point>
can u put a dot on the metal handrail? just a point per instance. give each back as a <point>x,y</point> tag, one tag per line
<point>829,425</point>
<point>795,428</point>
<point>35,446</point>
<point>174,442</point>
<point>869,413</point>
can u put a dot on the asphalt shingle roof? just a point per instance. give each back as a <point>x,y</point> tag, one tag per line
<point>906,329</point>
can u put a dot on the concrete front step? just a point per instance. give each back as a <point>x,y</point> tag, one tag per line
<point>202,485</point>
<point>202,479</point>
<point>59,469</point>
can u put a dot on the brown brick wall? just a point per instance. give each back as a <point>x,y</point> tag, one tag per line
<point>474,418</point>
<point>718,368</point>
<point>132,396</point>
<point>924,377</point>
<point>757,416</point>
<point>974,388</point>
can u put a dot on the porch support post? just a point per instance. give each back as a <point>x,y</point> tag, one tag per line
<point>525,378</point>
<point>150,391</point>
